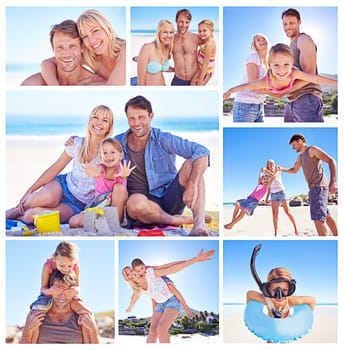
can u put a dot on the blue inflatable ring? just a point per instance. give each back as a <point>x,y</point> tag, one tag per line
<point>278,330</point>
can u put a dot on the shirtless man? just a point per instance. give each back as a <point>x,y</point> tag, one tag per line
<point>66,44</point>
<point>185,46</point>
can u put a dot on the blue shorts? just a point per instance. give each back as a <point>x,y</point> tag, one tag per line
<point>248,112</point>
<point>172,200</point>
<point>278,196</point>
<point>249,204</point>
<point>307,108</point>
<point>318,198</point>
<point>67,197</point>
<point>167,279</point>
<point>180,82</point>
<point>172,303</point>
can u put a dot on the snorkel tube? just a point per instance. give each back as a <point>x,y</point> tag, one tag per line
<point>255,251</point>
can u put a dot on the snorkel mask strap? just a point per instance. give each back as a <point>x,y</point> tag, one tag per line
<point>255,251</point>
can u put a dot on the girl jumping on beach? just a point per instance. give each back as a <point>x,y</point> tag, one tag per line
<point>206,53</point>
<point>167,305</point>
<point>110,180</point>
<point>247,206</point>
<point>140,268</point>
<point>64,259</point>
<point>278,195</point>
<point>281,77</point>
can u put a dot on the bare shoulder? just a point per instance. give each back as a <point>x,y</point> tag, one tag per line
<point>35,79</point>
<point>304,40</point>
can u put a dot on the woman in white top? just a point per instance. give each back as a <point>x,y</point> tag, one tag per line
<point>69,193</point>
<point>278,196</point>
<point>249,105</point>
<point>165,305</point>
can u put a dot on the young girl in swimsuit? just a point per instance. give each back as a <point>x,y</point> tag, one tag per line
<point>282,77</point>
<point>206,53</point>
<point>110,180</point>
<point>248,205</point>
<point>64,259</point>
<point>154,57</point>
<point>279,289</point>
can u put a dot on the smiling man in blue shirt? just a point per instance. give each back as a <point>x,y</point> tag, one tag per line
<point>158,192</point>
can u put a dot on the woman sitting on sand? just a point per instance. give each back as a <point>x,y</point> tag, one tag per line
<point>167,306</point>
<point>154,57</point>
<point>68,193</point>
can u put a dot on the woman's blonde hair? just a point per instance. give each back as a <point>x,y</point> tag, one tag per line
<point>209,24</point>
<point>279,272</point>
<point>91,17</point>
<point>161,26</point>
<point>136,288</point>
<point>85,150</point>
<point>254,48</point>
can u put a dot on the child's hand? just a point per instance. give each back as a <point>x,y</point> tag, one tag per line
<point>124,169</point>
<point>128,310</point>
<point>70,292</point>
<point>54,290</point>
<point>93,170</point>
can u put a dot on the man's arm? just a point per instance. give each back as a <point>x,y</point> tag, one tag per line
<point>294,169</point>
<point>31,329</point>
<point>89,329</point>
<point>308,54</point>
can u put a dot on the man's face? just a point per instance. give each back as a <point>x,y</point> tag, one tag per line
<point>183,23</point>
<point>291,26</point>
<point>297,145</point>
<point>61,299</point>
<point>139,121</point>
<point>67,52</point>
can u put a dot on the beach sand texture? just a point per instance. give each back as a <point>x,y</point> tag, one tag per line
<point>324,329</point>
<point>260,223</point>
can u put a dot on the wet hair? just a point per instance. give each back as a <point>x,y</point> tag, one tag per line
<point>139,102</point>
<point>85,148</point>
<point>291,12</point>
<point>91,17</point>
<point>70,278</point>
<point>68,27</point>
<point>137,262</point>
<point>184,12</point>
<point>115,143</point>
<point>297,137</point>
<point>160,28</point>
<point>279,272</point>
<point>282,49</point>
<point>67,249</point>
<point>209,24</point>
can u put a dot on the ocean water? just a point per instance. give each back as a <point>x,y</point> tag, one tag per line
<point>62,125</point>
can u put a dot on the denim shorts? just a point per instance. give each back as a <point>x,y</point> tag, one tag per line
<point>248,112</point>
<point>278,196</point>
<point>67,197</point>
<point>250,204</point>
<point>307,108</point>
<point>318,197</point>
<point>172,303</point>
<point>167,279</point>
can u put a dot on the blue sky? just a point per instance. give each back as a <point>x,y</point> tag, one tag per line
<point>240,24</point>
<point>199,283</point>
<point>28,28</point>
<point>147,18</point>
<point>245,150</point>
<point>313,264</point>
<point>24,262</point>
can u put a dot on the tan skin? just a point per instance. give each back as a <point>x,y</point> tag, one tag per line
<point>315,152</point>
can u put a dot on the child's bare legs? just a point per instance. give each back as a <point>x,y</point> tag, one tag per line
<point>79,307</point>
<point>77,220</point>
<point>237,216</point>
<point>290,216</point>
<point>180,298</point>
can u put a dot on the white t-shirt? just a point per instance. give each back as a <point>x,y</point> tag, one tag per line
<point>277,184</point>
<point>250,96</point>
<point>79,183</point>
<point>157,288</point>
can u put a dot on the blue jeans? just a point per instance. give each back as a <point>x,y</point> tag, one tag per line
<point>307,108</point>
<point>248,112</point>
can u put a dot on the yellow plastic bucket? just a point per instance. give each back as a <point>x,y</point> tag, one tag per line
<point>48,222</point>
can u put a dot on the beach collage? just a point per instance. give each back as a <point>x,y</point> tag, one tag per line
<point>171,173</point>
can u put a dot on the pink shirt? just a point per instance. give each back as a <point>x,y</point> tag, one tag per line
<point>282,90</point>
<point>103,185</point>
<point>259,192</point>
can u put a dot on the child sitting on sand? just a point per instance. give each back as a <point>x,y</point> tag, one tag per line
<point>110,180</point>
<point>282,77</point>
<point>206,53</point>
<point>248,205</point>
<point>139,267</point>
<point>65,260</point>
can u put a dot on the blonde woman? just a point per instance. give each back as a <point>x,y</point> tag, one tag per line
<point>69,193</point>
<point>154,57</point>
<point>249,105</point>
<point>103,52</point>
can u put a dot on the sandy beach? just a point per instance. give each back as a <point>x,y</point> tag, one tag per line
<point>175,339</point>
<point>324,329</point>
<point>260,223</point>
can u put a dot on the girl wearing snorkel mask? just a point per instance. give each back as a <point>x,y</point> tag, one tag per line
<point>277,294</point>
